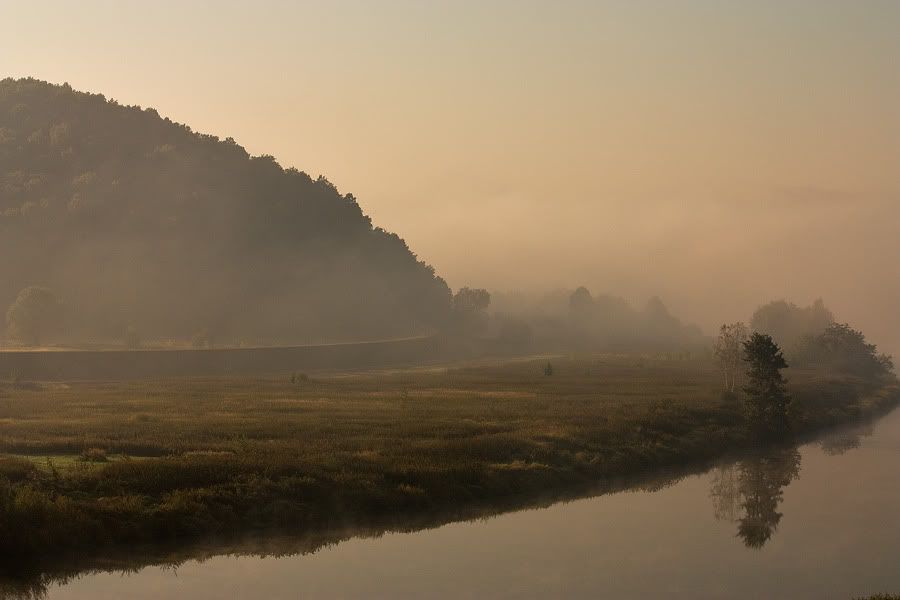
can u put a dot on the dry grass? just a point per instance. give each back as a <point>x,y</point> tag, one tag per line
<point>188,458</point>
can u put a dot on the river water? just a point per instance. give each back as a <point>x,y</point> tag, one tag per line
<point>818,521</point>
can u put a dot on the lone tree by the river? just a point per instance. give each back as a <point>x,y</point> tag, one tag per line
<point>767,397</point>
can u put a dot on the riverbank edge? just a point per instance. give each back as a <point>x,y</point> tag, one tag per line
<point>57,563</point>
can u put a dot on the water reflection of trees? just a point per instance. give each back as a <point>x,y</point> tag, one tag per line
<point>35,588</point>
<point>762,483</point>
<point>843,440</point>
<point>749,492</point>
<point>746,493</point>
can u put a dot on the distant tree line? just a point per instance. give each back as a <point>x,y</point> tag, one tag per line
<point>581,321</point>
<point>817,342</point>
<point>789,324</point>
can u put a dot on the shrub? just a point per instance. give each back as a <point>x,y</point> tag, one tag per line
<point>13,468</point>
<point>730,397</point>
<point>94,455</point>
<point>842,349</point>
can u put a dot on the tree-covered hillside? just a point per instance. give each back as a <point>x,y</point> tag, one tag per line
<point>146,229</point>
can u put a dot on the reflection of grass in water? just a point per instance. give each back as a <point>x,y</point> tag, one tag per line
<point>171,555</point>
<point>371,450</point>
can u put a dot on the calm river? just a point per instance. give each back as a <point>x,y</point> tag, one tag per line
<point>821,521</point>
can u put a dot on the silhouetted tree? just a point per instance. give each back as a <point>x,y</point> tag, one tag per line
<point>581,303</point>
<point>468,300</point>
<point>767,397</point>
<point>469,310</point>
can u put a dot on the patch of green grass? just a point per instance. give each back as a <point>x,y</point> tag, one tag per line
<point>46,463</point>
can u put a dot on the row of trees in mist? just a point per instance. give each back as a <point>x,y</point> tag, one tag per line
<point>120,226</point>
<point>38,316</point>
<point>811,337</point>
<point>751,358</point>
<point>580,321</point>
<point>789,324</point>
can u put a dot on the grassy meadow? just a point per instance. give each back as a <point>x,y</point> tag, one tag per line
<point>95,466</point>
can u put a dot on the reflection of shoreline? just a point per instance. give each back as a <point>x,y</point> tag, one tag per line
<point>33,583</point>
<point>764,474</point>
<point>750,491</point>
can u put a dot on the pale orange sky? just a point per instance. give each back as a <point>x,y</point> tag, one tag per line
<point>716,153</point>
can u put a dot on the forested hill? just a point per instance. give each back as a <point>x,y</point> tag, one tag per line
<point>143,227</point>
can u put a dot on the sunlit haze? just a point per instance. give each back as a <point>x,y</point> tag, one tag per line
<point>717,154</point>
<point>449,298</point>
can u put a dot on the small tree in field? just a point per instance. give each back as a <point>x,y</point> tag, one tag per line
<point>470,310</point>
<point>728,350</point>
<point>767,397</point>
<point>468,300</point>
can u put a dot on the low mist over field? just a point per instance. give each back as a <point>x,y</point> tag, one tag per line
<point>133,229</point>
<point>347,298</point>
<point>715,156</point>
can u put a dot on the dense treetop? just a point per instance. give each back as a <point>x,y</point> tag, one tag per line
<point>139,223</point>
<point>788,323</point>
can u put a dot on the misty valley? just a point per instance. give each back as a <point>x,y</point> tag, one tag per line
<point>202,469</point>
<point>218,378</point>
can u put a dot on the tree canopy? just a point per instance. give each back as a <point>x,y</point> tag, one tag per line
<point>842,349</point>
<point>611,323</point>
<point>139,223</point>
<point>766,389</point>
<point>788,323</point>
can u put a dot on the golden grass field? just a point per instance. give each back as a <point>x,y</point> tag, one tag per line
<point>97,465</point>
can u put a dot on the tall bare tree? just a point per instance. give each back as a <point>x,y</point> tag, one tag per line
<point>728,349</point>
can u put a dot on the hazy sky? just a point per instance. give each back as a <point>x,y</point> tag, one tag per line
<point>716,153</point>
